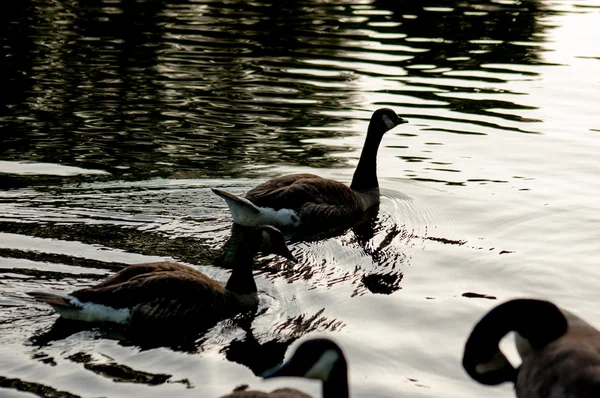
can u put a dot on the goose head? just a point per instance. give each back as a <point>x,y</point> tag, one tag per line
<point>383,120</point>
<point>314,359</point>
<point>273,242</point>
<point>537,324</point>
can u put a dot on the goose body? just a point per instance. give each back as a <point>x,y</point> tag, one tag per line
<point>278,393</point>
<point>169,292</point>
<point>319,359</point>
<point>560,352</point>
<point>296,199</point>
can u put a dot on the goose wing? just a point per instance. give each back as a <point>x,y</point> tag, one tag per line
<point>146,283</point>
<point>132,271</point>
<point>296,190</point>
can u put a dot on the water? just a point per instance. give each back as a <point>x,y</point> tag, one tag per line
<point>119,117</point>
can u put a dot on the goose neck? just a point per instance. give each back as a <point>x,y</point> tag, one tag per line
<point>337,384</point>
<point>239,257</point>
<point>365,176</point>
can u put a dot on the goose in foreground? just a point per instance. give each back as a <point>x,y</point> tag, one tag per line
<point>168,293</point>
<point>295,199</point>
<point>560,352</point>
<point>319,359</point>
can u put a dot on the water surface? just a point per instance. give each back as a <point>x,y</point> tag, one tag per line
<point>120,117</point>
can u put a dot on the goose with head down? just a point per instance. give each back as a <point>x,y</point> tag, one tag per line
<point>319,359</point>
<point>560,352</point>
<point>168,293</point>
<point>301,199</point>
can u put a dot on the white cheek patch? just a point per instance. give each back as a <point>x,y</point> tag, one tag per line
<point>322,368</point>
<point>523,346</point>
<point>498,362</point>
<point>388,123</point>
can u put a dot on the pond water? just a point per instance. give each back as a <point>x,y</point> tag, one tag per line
<point>119,116</point>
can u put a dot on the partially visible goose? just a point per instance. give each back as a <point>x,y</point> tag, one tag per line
<point>319,359</point>
<point>295,199</point>
<point>169,293</point>
<point>560,352</point>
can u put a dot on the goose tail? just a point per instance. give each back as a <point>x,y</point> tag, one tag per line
<point>73,309</point>
<point>59,303</point>
<point>242,210</point>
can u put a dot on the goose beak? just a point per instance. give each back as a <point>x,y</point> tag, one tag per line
<point>278,371</point>
<point>290,257</point>
<point>402,121</point>
<point>285,252</point>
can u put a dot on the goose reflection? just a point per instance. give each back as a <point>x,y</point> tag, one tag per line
<point>372,244</point>
<point>260,349</point>
<point>263,351</point>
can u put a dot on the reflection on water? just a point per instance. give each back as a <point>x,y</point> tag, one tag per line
<point>121,115</point>
<point>234,338</point>
<point>164,222</point>
<point>152,88</point>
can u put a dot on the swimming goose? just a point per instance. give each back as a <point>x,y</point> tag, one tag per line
<point>560,352</point>
<point>168,292</point>
<point>293,199</point>
<point>319,359</point>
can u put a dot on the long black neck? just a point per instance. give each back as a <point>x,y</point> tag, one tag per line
<point>365,176</point>
<point>337,384</point>
<point>539,322</point>
<point>240,250</point>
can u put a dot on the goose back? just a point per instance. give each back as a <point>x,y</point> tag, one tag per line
<point>569,367</point>
<point>311,197</point>
<point>279,393</point>
<point>166,292</point>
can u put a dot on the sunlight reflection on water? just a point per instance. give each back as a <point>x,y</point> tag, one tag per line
<point>123,115</point>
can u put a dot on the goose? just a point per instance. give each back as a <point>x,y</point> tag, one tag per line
<point>169,292</point>
<point>320,359</point>
<point>291,200</point>
<point>560,352</point>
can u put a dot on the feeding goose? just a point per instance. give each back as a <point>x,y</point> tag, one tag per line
<point>560,352</point>
<point>319,359</point>
<point>295,199</point>
<point>168,292</point>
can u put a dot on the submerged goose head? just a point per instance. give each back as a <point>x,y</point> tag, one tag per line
<point>537,324</point>
<point>273,242</point>
<point>319,359</point>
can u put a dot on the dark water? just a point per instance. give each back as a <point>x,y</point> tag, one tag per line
<point>118,116</point>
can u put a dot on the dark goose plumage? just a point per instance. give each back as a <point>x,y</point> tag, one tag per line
<point>279,393</point>
<point>560,352</point>
<point>170,292</point>
<point>319,359</point>
<point>309,199</point>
